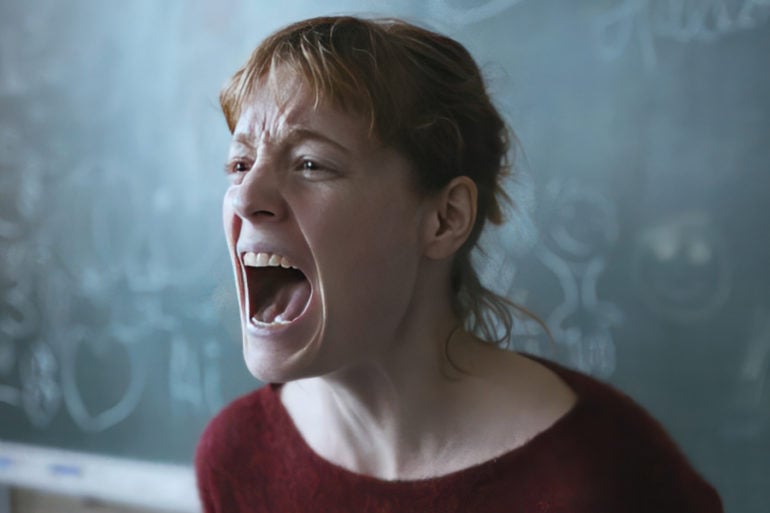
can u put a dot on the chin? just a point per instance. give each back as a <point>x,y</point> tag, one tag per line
<point>274,359</point>
<point>268,368</point>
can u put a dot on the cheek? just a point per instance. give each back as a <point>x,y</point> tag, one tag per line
<point>370,226</point>
<point>230,221</point>
<point>368,246</point>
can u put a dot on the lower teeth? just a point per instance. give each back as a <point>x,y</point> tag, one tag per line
<point>278,321</point>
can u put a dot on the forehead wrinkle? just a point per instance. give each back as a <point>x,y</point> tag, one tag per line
<point>242,139</point>
<point>268,120</point>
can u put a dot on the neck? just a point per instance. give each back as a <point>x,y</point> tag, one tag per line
<point>412,416</point>
<point>386,415</point>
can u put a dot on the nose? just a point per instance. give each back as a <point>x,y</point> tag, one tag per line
<point>258,197</point>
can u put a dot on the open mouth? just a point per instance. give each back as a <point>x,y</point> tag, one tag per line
<point>277,292</point>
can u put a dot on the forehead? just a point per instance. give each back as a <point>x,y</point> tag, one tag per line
<point>283,104</point>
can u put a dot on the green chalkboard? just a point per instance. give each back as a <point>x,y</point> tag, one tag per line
<point>640,234</point>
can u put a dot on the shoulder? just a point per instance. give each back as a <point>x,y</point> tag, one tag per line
<point>603,410</point>
<point>239,428</point>
<point>627,453</point>
<point>234,451</point>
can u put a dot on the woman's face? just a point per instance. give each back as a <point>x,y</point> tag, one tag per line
<point>323,226</point>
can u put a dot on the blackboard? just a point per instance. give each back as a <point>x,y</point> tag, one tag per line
<point>640,233</point>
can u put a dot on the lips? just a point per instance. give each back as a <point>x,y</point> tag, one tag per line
<point>277,292</point>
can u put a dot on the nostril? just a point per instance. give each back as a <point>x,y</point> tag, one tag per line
<point>257,202</point>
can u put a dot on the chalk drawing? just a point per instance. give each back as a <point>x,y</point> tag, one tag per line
<point>500,249</point>
<point>681,268</point>
<point>212,377</point>
<point>501,246</point>
<point>194,377</point>
<point>185,374</point>
<point>580,229</point>
<point>71,338</point>
<point>127,232</point>
<point>449,10</point>
<point>9,227</point>
<point>749,412</point>
<point>82,414</point>
<point>19,316</point>
<point>40,389</point>
<point>21,190</point>
<point>679,20</point>
<point>8,394</point>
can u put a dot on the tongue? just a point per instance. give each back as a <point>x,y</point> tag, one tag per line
<point>287,303</point>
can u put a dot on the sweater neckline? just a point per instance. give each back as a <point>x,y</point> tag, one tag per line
<point>284,424</point>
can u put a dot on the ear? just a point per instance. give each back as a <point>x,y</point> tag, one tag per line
<point>451,218</point>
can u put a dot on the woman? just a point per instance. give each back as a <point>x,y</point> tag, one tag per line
<point>366,158</point>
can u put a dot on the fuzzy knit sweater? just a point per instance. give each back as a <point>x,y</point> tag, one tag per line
<point>606,455</point>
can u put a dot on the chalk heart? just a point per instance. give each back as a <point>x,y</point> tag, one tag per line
<point>103,380</point>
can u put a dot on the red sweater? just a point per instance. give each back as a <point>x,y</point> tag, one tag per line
<point>606,455</point>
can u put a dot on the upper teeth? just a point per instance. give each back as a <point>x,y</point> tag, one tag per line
<point>252,259</point>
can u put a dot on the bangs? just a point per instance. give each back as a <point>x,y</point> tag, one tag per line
<point>339,62</point>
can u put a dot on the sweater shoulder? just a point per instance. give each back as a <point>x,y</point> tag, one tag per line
<point>623,448</point>
<point>603,408</point>
<point>233,453</point>
<point>237,432</point>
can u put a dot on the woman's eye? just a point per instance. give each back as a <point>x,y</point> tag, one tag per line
<point>237,166</point>
<point>309,165</point>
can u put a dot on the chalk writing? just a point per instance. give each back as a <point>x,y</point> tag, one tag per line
<point>680,20</point>
<point>464,14</point>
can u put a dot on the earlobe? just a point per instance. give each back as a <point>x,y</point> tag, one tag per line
<point>453,216</point>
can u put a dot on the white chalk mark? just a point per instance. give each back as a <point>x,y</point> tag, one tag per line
<point>569,288</point>
<point>443,10</point>
<point>680,267</point>
<point>583,221</point>
<point>615,27</point>
<point>212,379</point>
<point>749,414</point>
<point>40,388</point>
<point>610,312</point>
<point>582,227</point>
<point>73,338</point>
<point>19,317</point>
<point>185,379</point>
<point>756,360</point>
<point>194,374</point>
<point>679,20</point>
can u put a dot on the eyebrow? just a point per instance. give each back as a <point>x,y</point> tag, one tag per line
<point>295,135</point>
<point>243,139</point>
